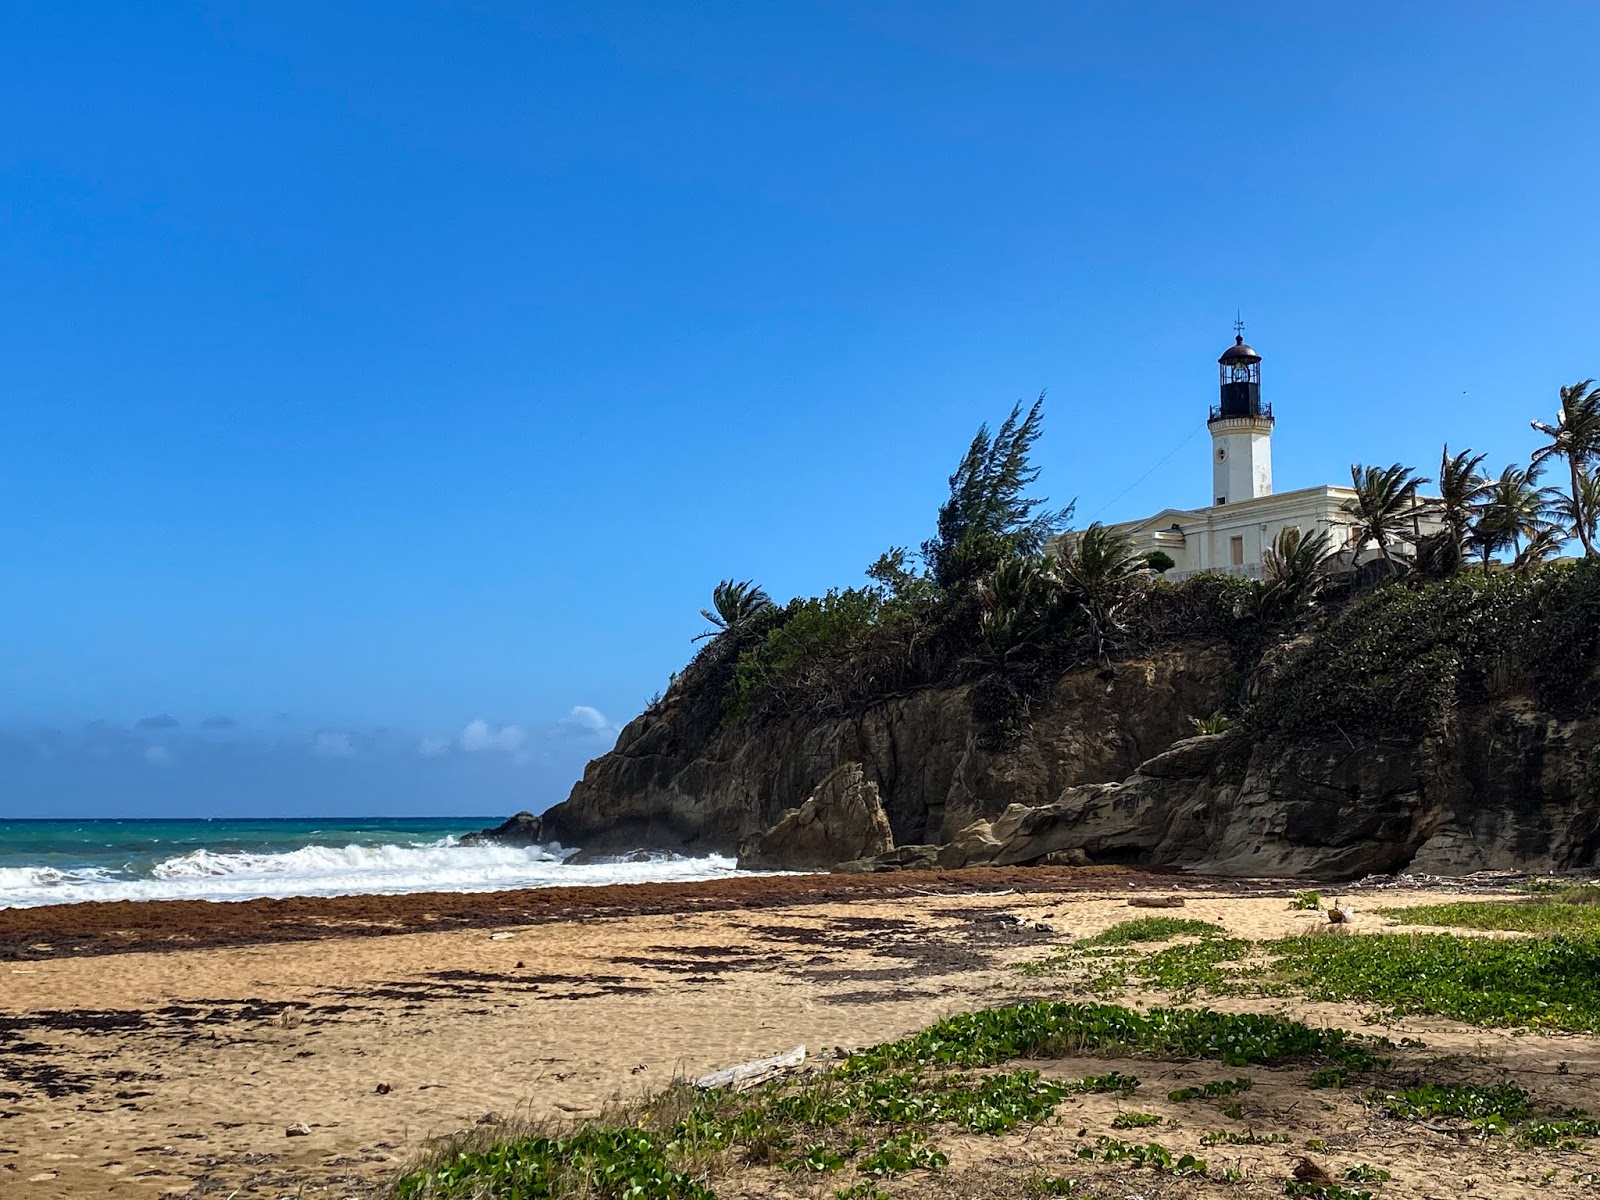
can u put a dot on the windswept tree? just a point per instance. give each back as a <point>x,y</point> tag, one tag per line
<point>1515,510</point>
<point>733,605</point>
<point>1294,572</point>
<point>1543,545</point>
<point>1579,511</point>
<point>1462,486</point>
<point>1384,507</point>
<point>1575,437</point>
<point>1021,602</point>
<point>989,516</point>
<point>1099,570</point>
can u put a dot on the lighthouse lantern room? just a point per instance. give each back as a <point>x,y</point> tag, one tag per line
<point>1241,428</point>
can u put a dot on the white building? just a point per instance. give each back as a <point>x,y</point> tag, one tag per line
<point>1232,533</point>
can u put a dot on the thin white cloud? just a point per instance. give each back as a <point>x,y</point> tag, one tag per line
<point>590,720</point>
<point>480,735</point>
<point>157,756</point>
<point>433,747</point>
<point>332,745</point>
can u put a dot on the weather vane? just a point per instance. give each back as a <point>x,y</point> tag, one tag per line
<point>1238,323</point>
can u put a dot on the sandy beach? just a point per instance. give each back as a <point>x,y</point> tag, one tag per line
<point>154,1071</point>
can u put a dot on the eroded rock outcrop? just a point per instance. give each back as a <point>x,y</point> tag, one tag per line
<point>680,779</point>
<point>1330,810</point>
<point>524,829</point>
<point>1109,771</point>
<point>842,820</point>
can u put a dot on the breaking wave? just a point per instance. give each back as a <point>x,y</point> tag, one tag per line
<point>386,869</point>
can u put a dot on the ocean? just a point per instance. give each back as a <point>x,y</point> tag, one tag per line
<point>66,862</point>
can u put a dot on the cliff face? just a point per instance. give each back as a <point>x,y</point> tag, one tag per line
<point>1109,769</point>
<point>1511,789</point>
<point>678,778</point>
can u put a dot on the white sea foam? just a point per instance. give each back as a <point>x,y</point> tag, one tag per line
<point>346,870</point>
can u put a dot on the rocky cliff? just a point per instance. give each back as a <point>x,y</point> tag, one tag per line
<point>1109,770</point>
<point>1432,725</point>
<point>1511,788</point>
<point>680,778</point>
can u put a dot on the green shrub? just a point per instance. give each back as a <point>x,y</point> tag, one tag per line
<point>1210,1091</point>
<point>901,1153</point>
<point>1562,915</point>
<point>1134,1120</point>
<point>1151,1154</point>
<point>1398,661</point>
<point>1324,1191</point>
<point>1549,982</point>
<point>1503,1100</point>
<point>1363,1173</point>
<point>1054,1029</point>
<point>613,1164</point>
<point>1151,929</point>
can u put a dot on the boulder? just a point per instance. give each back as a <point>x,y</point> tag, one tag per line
<point>901,858</point>
<point>524,829</point>
<point>973,845</point>
<point>842,820</point>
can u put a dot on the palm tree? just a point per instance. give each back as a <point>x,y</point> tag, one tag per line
<point>1575,437</point>
<point>1514,507</point>
<point>1542,545</point>
<point>1020,601</point>
<point>1384,506</point>
<point>1461,488</point>
<point>1295,570</point>
<point>1579,511</point>
<point>732,607</point>
<point>1099,569</point>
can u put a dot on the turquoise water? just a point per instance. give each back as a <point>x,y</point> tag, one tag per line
<point>136,846</point>
<point>60,862</point>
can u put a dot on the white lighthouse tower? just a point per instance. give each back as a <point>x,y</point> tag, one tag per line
<point>1241,429</point>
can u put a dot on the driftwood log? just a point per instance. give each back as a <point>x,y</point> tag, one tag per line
<point>1155,902</point>
<point>749,1074</point>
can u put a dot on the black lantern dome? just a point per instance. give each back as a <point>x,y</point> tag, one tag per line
<point>1239,376</point>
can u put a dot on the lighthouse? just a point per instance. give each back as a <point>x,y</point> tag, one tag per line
<point>1241,428</point>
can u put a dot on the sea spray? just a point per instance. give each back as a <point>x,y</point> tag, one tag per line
<point>222,860</point>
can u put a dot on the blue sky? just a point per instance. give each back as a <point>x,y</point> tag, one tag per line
<point>372,371</point>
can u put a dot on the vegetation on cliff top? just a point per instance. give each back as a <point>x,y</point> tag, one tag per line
<point>999,600</point>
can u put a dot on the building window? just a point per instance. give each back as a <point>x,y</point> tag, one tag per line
<point>1236,551</point>
<point>1222,499</point>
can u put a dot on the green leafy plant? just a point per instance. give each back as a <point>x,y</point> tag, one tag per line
<point>1564,912</point>
<point>616,1164</point>
<point>1306,901</point>
<point>1364,1173</point>
<point>1324,1191</point>
<point>1549,982</point>
<point>1151,1154</point>
<point>1217,722</point>
<point>1213,1090</point>
<point>1455,1100</point>
<point>1151,929</point>
<point>1053,1029</point>
<point>1134,1120</point>
<point>1227,1137</point>
<point>1563,1132</point>
<point>902,1153</point>
<point>818,1157</point>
